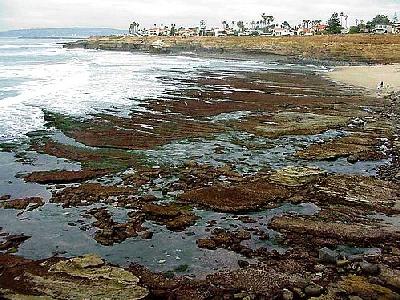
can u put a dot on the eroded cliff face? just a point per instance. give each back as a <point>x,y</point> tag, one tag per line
<point>347,48</point>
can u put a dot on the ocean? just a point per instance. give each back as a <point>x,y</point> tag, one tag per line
<point>38,75</point>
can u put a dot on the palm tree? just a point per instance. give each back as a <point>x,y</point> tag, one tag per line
<point>341,18</point>
<point>286,25</point>
<point>270,19</point>
<point>264,19</point>
<point>240,25</point>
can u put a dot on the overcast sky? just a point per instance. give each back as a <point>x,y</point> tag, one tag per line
<point>15,14</point>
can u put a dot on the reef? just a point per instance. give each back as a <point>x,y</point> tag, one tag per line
<point>274,184</point>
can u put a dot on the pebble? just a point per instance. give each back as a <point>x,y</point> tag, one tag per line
<point>162,261</point>
<point>319,268</point>
<point>313,290</point>
<point>368,268</point>
<point>243,263</point>
<point>327,255</point>
<point>287,295</point>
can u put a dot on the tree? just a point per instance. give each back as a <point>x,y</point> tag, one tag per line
<point>286,25</point>
<point>173,30</point>
<point>240,25</point>
<point>264,19</point>
<point>334,25</point>
<point>341,18</point>
<point>378,20</point>
<point>355,29</point>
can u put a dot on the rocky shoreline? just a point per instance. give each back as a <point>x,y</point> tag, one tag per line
<point>347,49</point>
<point>293,176</point>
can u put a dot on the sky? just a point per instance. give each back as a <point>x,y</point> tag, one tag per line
<point>17,14</point>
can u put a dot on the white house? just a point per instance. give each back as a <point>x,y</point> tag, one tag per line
<point>383,29</point>
<point>279,31</point>
<point>396,28</point>
<point>219,32</point>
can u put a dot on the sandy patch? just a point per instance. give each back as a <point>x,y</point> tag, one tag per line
<point>369,77</point>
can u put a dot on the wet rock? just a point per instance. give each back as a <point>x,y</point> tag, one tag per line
<point>313,290</point>
<point>335,232</point>
<point>221,238</point>
<point>247,220</point>
<point>319,268</point>
<point>355,148</point>
<point>89,193</point>
<point>174,217</point>
<point>243,263</point>
<point>87,277</point>
<point>293,123</point>
<point>32,203</point>
<point>206,244</point>
<point>369,269</point>
<point>148,198</point>
<point>327,255</point>
<point>390,276</point>
<point>61,177</point>
<point>360,191</point>
<point>287,295</point>
<point>147,235</point>
<point>12,242</point>
<point>5,197</point>
<point>296,176</point>
<point>181,222</point>
<point>360,286</point>
<point>110,232</point>
<point>237,198</point>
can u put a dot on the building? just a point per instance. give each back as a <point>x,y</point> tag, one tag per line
<point>396,28</point>
<point>219,32</point>
<point>159,31</point>
<point>383,29</point>
<point>189,32</point>
<point>280,31</point>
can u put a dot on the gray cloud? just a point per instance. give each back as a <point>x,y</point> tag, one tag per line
<point>119,13</point>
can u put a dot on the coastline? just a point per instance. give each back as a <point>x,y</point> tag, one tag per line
<point>369,77</point>
<point>259,196</point>
<point>351,49</point>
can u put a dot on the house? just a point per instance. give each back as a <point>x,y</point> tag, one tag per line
<point>396,28</point>
<point>188,32</point>
<point>383,29</point>
<point>280,31</point>
<point>219,32</point>
<point>305,31</point>
<point>159,31</point>
<point>318,28</point>
<point>154,31</point>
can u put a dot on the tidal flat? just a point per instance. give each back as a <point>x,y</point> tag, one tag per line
<point>271,183</point>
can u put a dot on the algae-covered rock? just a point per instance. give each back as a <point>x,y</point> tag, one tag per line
<point>296,176</point>
<point>12,296</point>
<point>92,267</point>
<point>295,123</point>
<point>391,277</point>
<point>360,286</point>
<point>88,277</point>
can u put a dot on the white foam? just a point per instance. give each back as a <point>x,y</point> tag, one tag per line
<point>81,82</point>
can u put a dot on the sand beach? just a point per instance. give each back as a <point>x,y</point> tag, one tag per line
<point>369,77</point>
